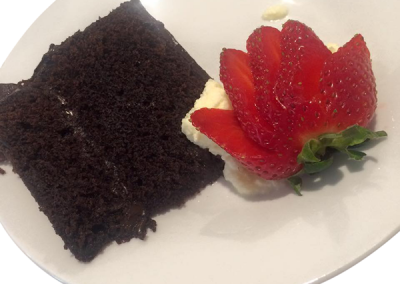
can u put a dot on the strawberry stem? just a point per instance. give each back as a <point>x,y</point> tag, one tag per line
<point>315,159</point>
<point>296,182</point>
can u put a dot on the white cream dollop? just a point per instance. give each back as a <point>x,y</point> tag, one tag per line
<point>333,47</point>
<point>276,12</point>
<point>213,96</point>
<point>244,181</point>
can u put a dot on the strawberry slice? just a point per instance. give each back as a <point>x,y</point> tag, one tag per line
<point>348,86</point>
<point>235,74</point>
<point>264,49</point>
<point>304,55</point>
<point>297,87</point>
<point>223,128</point>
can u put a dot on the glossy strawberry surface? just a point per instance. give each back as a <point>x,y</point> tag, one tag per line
<point>286,89</point>
<point>348,86</point>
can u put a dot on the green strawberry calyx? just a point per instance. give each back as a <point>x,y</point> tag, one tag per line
<point>316,154</point>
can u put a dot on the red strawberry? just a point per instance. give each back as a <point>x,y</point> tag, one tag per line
<point>223,128</point>
<point>297,87</point>
<point>348,86</point>
<point>284,105</point>
<point>237,78</point>
<point>304,55</point>
<point>263,47</point>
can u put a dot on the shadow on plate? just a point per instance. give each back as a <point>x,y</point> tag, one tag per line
<point>325,210</point>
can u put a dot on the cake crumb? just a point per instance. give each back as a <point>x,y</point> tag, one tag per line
<point>276,12</point>
<point>2,172</point>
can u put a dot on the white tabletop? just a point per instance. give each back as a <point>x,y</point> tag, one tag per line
<point>15,18</point>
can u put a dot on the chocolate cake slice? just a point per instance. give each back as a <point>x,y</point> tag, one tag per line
<point>95,133</point>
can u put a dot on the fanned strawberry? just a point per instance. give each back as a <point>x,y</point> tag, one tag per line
<point>348,86</point>
<point>237,78</point>
<point>223,128</point>
<point>292,100</point>
<point>264,49</point>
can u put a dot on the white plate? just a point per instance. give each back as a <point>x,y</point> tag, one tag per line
<point>219,237</point>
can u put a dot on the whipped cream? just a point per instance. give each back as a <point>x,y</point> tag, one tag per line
<point>213,96</point>
<point>276,12</point>
<point>244,181</point>
<point>333,47</point>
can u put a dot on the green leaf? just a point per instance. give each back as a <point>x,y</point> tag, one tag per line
<point>307,154</point>
<point>353,154</point>
<point>381,134</point>
<point>354,135</point>
<point>296,182</point>
<point>314,149</point>
<point>316,153</point>
<point>312,168</point>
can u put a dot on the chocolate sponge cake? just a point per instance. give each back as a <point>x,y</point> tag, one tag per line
<point>95,133</point>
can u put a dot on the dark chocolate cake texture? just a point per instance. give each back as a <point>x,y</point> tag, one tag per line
<point>95,133</point>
